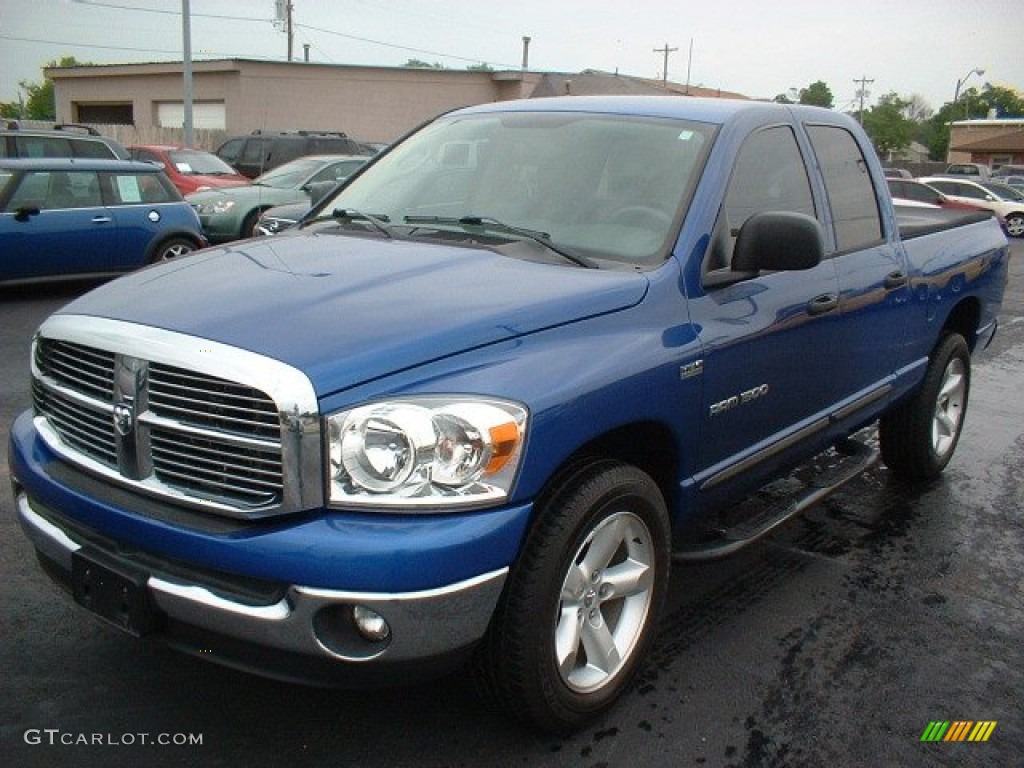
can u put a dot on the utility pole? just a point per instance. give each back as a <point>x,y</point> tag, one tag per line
<point>186,45</point>
<point>664,72</point>
<point>861,93</point>
<point>283,20</point>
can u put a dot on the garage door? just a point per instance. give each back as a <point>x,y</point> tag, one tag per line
<point>205,114</point>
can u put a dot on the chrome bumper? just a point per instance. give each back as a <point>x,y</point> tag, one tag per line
<point>310,621</point>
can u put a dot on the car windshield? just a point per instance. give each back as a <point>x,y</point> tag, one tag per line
<point>599,186</point>
<point>290,175</point>
<point>193,162</point>
<point>1004,191</point>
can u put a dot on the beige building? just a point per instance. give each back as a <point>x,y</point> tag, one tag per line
<point>237,96</point>
<point>991,142</point>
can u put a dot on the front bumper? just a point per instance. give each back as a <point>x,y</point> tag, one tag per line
<point>430,625</point>
<point>279,597</point>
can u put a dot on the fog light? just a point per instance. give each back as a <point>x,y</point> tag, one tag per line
<point>370,624</point>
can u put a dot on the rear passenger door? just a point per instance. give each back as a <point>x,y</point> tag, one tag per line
<point>871,267</point>
<point>140,204</point>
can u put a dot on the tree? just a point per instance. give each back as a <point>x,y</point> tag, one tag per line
<point>817,94</point>
<point>481,67</point>
<point>40,103</point>
<point>420,64</point>
<point>887,125</point>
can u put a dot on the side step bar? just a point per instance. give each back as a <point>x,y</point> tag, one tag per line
<point>828,473</point>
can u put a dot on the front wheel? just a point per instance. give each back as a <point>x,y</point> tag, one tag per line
<point>918,437</point>
<point>581,604</point>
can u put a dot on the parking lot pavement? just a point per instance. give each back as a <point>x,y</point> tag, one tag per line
<point>838,641</point>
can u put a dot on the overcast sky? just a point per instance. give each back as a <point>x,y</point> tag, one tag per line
<point>754,47</point>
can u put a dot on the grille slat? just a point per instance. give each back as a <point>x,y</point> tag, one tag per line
<point>204,445</point>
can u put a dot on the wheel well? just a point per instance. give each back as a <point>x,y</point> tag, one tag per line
<point>964,321</point>
<point>159,243</point>
<point>649,446</point>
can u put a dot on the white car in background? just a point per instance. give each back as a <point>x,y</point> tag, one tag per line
<point>1007,202</point>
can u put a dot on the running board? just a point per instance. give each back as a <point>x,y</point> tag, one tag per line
<point>819,478</point>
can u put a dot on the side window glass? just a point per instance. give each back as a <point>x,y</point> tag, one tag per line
<point>848,184</point>
<point>31,193</point>
<point>88,148</point>
<point>42,146</point>
<point>253,151</point>
<point>138,188</point>
<point>229,151</point>
<point>769,175</point>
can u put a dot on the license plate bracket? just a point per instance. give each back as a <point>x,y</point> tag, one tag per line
<point>113,590</point>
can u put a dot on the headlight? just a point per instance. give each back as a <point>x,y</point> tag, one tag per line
<point>425,452</point>
<point>214,207</point>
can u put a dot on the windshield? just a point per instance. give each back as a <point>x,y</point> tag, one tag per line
<point>192,163</point>
<point>290,175</point>
<point>603,186</point>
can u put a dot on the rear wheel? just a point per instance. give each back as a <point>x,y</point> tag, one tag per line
<point>919,436</point>
<point>172,249</point>
<point>1015,224</point>
<point>581,604</point>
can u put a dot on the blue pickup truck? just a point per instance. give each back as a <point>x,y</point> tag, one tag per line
<point>473,408</point>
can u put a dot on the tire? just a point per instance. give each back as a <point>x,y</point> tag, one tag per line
<point>581,604</point>
<point>1015,224</point>
<point>172,248</point>
<point>919,436</point>
<point>249,224</point>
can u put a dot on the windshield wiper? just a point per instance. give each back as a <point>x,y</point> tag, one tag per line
<point>489,222</point>
<point>377,221</point>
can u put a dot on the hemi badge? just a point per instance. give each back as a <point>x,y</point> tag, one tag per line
<point>688,371</point>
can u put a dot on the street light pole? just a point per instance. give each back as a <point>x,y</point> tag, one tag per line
<point>960,82</point>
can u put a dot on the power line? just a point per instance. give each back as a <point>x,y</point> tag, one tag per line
<point>166,12</point>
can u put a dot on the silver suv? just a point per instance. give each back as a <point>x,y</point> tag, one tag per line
<point>63,140</point>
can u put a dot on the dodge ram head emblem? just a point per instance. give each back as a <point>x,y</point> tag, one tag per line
<point>124,418</point>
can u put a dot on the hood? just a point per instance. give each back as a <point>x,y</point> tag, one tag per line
<point>347,309</point>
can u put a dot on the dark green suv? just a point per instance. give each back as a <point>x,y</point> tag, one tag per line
<point>63,140</point>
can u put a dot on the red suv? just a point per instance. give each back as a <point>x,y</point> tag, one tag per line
<point>189,169</point>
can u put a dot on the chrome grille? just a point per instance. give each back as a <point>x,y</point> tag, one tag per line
<point>210,402</point>
<point>85,429</point>
<point>80,368</point>
<point>203,440</point>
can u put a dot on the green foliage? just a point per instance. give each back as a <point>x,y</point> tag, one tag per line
<point>817,94</point>
<point>39,99</point>
<point>481,67</point>
<point>420,64</point>
<point>888,126</point>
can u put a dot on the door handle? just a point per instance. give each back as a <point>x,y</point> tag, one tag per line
<point>101,219</point>
<point>819,305</point>
<point>895,279</point>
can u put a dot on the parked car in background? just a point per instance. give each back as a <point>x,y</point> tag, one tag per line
<point>260,152</point>
<point>1007,170</point>
<point>1017,182</point>
<point>975,170</point>
<point>897,173</point>
<point>63,140</point>
<point>232,212</point>
<point>909,189</point>
<point>189,169</point>
<point>63,218</point>
<point>1007,202</point>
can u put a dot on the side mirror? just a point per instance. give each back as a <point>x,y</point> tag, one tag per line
<point>318,190</point>
<point>778,241</point>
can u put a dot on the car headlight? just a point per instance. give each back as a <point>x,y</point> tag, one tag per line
<point>215,207</point>
<point>422,452</point>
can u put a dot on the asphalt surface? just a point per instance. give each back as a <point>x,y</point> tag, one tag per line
<point>835,642</point>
